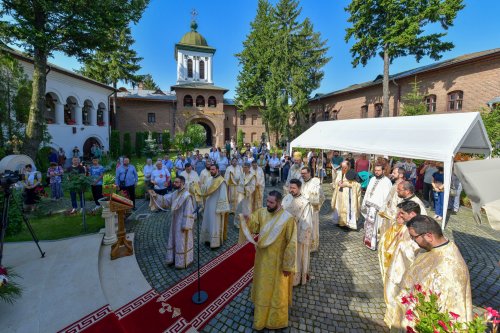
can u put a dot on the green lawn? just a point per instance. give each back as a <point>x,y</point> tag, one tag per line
<point>59,226</point>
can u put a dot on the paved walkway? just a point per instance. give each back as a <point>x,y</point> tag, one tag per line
<point>345,294</point>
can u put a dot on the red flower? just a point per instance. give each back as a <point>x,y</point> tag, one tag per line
<point>418,287</point>
<point>412,298</point>
<point>409,315</point>
<point>3,270</point>
<point>404,300</point>
<point>410,330</point>
<point>491,312</point>
<point>454,315</point>
<point>443,325</point>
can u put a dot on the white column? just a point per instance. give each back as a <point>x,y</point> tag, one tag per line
<point>209,70</point>
<point>196,68</point>
<point>59,113</point>
<point>179,62</point>
<point>93,116</point>
<point>78,114</point>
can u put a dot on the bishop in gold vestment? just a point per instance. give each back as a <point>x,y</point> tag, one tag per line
<point>275,262</point>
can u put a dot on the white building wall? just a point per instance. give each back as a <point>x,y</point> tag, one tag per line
<point>182,58</point>
<point>64,86</point>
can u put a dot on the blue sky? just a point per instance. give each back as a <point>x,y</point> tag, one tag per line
<point>225,24</point>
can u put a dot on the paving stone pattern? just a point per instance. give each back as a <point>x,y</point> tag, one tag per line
<point>345,293</point>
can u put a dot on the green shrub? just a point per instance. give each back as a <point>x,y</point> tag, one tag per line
<point>127,145</point>
<point>165,140</point>
<point>114,144</point>
<point>15,212</point>
<point>42,161</point>
<point>239,138</point>
<point>139,143</point>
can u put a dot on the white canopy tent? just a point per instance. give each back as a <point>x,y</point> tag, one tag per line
<point>429,137</point>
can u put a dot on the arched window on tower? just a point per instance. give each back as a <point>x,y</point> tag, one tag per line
<point>190,68</point>
<point>200,101</point>
<point>212,102</point>
<point>188,100</point>
<point>202,70</point>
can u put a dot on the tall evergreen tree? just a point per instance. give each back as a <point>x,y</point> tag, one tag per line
<point>148,83</point>
<point>73,27</point>
<point>394,28</point>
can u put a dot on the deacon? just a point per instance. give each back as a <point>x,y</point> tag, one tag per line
<point>260,184</point>
<point>233,176</point>
<point>215,217</point>
<point>190,176</point>
<point>246,191</point>
<point>337,185</point>
<point>396,253</point>
<point>275,262</point>
<point>296,204</point>
<point>349,200</point>
<point>440,269</point>
<point>312,191</point>
<point>375,199</point>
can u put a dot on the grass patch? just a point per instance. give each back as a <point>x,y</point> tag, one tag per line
<point>59,226</point>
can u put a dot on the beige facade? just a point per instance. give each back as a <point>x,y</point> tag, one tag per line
<point>461,84</point>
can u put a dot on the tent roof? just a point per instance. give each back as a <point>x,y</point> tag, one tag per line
<point>430,137</point>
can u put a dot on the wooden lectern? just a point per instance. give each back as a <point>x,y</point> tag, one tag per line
<point>123,247</point>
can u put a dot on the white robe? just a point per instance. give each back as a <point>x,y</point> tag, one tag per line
<point>301,210</point>
<point>233,177</point>
<point>294,173</point>
<point>260,185</point>
<point>375,199</point>
<point>313,192</point>
<point>245,196</point>
<point>204,176</point>
<point>216,207</point>
<point>191,178</point>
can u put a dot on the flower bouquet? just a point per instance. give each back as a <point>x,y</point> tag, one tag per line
<point>426,316</point>
<point>9,290</point>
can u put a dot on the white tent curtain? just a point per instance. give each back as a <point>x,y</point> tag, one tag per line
<point>430,137</point>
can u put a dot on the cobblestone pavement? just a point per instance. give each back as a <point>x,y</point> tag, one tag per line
<point>345,293</point>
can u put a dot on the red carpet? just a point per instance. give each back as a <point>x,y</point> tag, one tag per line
<point>173,311</point>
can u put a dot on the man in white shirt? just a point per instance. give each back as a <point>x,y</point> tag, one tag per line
<point>160,178</point>
<point>214,154</point>
<point>274,165</point>
<point>223,162</point>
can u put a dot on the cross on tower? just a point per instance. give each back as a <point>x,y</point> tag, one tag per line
<point>194,13</point>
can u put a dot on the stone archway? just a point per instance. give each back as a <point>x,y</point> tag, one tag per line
<point>209,129</point>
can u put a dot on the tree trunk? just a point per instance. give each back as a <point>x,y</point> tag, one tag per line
<point>34,128</point>
<point>385,83</point>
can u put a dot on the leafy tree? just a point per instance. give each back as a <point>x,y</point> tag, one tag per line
<point>413,102</point>
<point>114,144</point>
<point>127,145</point>
<point>148,83</point>
<point>282,63</point>
<point>119,64</point>
<point>194,136</point>
<point>491,120</point>
<point>139,143</point>
<point>73,27</point>
<point>393,29</point>
<point>240,137</point>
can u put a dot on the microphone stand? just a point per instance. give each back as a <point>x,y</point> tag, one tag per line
<point>199,296</point>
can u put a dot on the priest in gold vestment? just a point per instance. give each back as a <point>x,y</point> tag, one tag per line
<point>349,201</point>
<point>441,268</point>
<point>246,190</point>
<point>213,197</point>
<point>337,182</point>
<point>296,204</point>
<point>275,262</point>
<point>391,209</point>
<point>396,253</point>
<point>294,172</point>
<point>190,175</point>
<point>312,191</point>
<point>233,176</point>
<point>260,185</point>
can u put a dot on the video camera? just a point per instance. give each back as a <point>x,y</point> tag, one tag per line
<point>9,178</point>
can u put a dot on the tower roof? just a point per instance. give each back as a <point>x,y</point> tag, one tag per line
<point>193,41</point>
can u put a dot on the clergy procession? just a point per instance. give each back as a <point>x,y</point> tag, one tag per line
<point>286,230</point>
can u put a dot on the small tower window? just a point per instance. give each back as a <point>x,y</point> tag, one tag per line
<point>200,101</point>
<point>188,100</point>
<point>190,68</point>
<point>212,102</point>
<point>202,70</point>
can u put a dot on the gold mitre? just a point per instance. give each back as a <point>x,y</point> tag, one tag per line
<point>297,154</point>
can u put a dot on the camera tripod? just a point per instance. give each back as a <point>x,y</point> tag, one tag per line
<point>4,222</point>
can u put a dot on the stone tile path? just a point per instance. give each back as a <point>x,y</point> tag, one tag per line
<point>345,294</point>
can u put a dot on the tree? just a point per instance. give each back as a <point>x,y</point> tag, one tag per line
<point>148,83</point>
<point>413,102</point>
<point>114,144</point>
<point>119,64</point>
<point>194,136</point>
<point>282,61</point>
<point>73,27</point>
<point>393,29</point>
<point>165,140</point>
<point>139,143</point>
<point>491,120</point>
<point>240,138</point>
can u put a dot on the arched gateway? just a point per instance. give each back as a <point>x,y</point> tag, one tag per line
<point>209,129</point>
